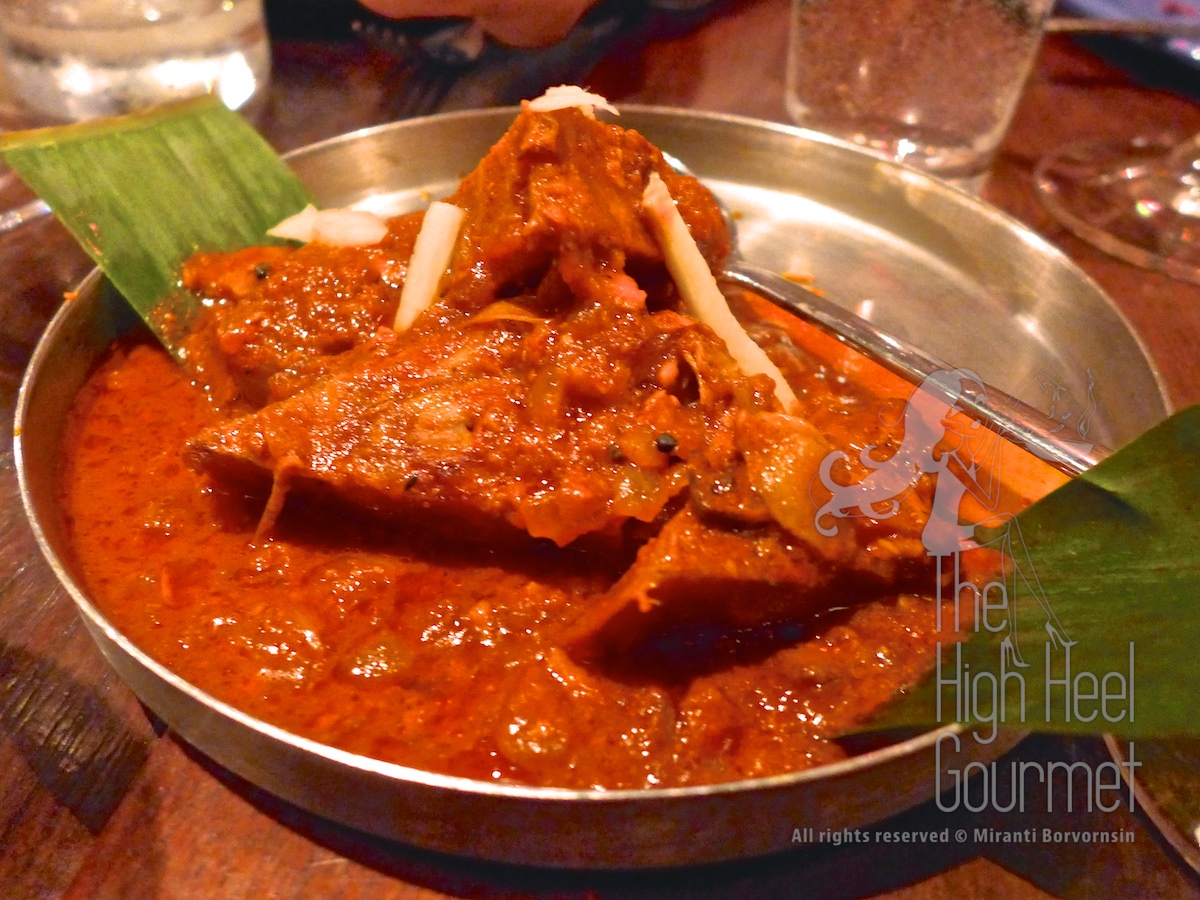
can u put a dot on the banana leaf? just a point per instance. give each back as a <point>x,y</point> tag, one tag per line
<point>142,193</point>
<point>1104,592</point>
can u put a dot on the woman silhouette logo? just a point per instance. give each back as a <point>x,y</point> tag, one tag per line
<point>937,443</point>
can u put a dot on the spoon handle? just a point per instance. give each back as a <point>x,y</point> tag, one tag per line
<point>995,409</point>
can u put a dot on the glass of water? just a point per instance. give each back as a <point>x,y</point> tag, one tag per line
<point>931,83</point>
<point>67,60</point>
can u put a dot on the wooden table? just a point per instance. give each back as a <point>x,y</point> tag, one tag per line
<point>98,800</point>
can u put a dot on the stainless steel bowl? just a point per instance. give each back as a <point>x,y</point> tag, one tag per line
<point>940,267</point>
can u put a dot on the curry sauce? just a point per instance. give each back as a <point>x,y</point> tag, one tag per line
<point>551,533</point>
<point>409,649</point>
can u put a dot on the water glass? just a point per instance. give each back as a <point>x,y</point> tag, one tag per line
<point>66,60</point>
<point>932,83</point>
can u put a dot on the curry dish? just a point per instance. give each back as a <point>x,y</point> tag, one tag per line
<point>551,533</point>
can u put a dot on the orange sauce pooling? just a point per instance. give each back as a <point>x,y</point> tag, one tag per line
<point>401,647</point>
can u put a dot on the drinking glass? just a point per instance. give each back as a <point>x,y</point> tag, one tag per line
<point>931,83</point>
<point>1137,201</point>
<point>66,60</point>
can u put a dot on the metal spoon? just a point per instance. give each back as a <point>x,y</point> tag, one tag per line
<point>1004,414</point>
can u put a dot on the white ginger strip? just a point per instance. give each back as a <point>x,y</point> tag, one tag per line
<point>336,227</point>
<point>566,96</point>
<point>698,287</point>
<point>430,258</point>
<point>298,227</point>
<point>349,228</point>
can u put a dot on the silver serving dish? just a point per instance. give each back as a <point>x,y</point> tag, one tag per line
<point>925,261</point>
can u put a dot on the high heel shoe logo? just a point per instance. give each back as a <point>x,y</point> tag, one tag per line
<point>963,458</point>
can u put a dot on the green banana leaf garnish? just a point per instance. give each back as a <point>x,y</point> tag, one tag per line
<point>142,193</point>
<point>1116,554</point>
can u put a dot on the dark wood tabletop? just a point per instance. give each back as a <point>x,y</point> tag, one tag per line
<point>99,800</point>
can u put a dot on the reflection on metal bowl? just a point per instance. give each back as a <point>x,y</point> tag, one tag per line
<point>939,267</point>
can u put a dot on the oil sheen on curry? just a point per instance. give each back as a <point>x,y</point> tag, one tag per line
<point>554,531</point>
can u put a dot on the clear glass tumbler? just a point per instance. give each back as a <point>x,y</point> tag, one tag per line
<point>66,60</point>
<point>932,83</point>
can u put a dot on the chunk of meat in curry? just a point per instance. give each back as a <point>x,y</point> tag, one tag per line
<point>548,392</point>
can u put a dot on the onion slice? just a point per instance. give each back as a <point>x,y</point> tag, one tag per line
<point>430,257</point>
<point>698,287</point>
<point>298,227</point>
<point>349,228</point>
<point>566,96</point>
<point>335,227</point>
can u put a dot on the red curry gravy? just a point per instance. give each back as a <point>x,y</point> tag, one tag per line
<point>411,651</point>
<point>424,647</point>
